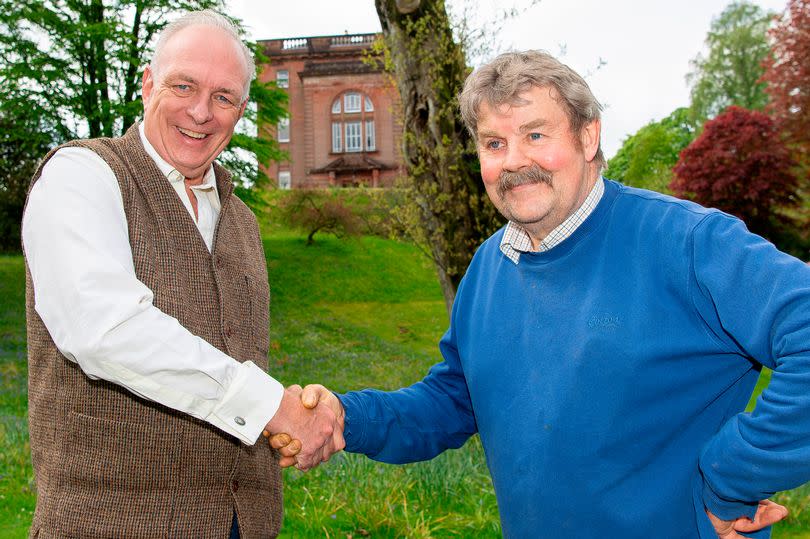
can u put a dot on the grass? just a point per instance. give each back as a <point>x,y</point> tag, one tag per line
<point>348,314</point>
<point>16,493</point>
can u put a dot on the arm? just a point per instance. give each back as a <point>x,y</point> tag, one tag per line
<point>102,317</point>
<point>756,300</point>
<point>417,422</point>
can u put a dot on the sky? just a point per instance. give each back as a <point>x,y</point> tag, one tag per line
<point>644,47</point>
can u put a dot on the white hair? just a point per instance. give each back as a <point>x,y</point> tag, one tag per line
<point>206,17</point>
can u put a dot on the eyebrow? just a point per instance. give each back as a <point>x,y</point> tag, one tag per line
<point>487,134</point>
<point>534,124</point>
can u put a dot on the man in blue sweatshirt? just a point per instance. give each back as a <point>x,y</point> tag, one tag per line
<point>605,342</point>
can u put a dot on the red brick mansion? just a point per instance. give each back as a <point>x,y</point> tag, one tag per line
<point>343,127</point>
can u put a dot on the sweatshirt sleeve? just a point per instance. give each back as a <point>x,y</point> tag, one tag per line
<point>759,300</point>
<point>414,423</point>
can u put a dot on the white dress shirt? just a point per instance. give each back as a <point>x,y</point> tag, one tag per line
<point>99,314</point>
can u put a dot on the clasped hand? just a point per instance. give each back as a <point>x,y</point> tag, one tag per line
<point>307,428</point>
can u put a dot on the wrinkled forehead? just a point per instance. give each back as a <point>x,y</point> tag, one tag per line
<point>505,104</point>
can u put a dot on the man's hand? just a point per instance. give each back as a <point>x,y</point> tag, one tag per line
<point>316,428</point>
<point>312,396</point>
<point>315,394</point>
<point>286,446</point>
<point>768,513</point>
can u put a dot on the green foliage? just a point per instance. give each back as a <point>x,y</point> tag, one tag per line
<point>310,211</point>
<point>730,73</point>
<point>647,157</point>
<point>76,66</point>
<point>23,141</point>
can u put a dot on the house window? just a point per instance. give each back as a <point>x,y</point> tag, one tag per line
<point>337,144</point>
<point>354,137</point>
<point>353,123</point>
<point>371,144</point>
<point>284,130</point>
<point>283,78</point>
<point>284,179</point>
<point>351,102</point>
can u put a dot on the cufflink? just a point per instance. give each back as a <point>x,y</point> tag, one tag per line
<point>239,421</point>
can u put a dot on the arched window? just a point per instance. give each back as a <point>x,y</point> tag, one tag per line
<point>353,123</point>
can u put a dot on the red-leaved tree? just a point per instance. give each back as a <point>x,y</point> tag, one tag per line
<point>740,165</point>
<point>787,74</point>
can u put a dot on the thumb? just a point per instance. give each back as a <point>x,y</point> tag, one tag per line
<point>768,513</point>
<point>311,395</point>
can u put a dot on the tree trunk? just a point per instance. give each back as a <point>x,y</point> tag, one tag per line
<point>429,68</point>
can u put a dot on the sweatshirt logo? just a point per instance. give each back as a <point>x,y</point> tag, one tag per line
<point>606,321</point>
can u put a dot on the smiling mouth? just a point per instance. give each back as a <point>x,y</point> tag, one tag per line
<point>192,134</point>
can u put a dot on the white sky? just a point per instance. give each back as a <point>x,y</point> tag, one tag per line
<point>647,45</point>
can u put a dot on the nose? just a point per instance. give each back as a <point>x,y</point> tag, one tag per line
<point>199,108</point>
<point>516,158</point>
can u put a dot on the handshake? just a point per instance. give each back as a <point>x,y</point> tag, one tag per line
<point>307,429</point>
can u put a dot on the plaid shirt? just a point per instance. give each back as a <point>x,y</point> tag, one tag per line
<point>516,240</point>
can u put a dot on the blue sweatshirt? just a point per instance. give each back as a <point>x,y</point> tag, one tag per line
<point>608,376</point>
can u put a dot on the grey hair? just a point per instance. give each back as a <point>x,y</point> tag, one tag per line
<point>502,80</point>
<point>206,17</point>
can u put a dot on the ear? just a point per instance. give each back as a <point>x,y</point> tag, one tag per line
<point>147,85</point>
<point>589,137</point>
<point>242,108</point>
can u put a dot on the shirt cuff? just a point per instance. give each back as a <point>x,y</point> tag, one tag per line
<point>252,399</point>
<point>726,509</point>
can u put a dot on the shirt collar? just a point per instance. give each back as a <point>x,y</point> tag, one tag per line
<point>173,175</point>
<point>516,240</point>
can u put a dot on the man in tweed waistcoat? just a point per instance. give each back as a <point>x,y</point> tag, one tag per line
<point>147,308</point>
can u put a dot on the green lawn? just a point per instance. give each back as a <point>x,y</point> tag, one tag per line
<point>348,314</point>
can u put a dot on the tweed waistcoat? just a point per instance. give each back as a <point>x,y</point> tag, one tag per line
<point>111,464</point>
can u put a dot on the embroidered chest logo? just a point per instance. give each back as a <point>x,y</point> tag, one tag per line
<point>605,321</point>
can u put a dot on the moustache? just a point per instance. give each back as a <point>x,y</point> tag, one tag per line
<point>533,174</point>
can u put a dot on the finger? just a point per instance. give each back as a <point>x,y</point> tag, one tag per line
<point>286,462</point>
<point>279,440</point>
<point>291,449</point>
<point>312,395</point>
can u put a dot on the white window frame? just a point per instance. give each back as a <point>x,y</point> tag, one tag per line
<point>284,130</point>
<point>369,106</point>
<point>284,179</point>
<point>337,138</point>
<point>283,78</point>
<point>371,142</point>
<point>354,136</point>
<point>351,102</point>
<point>336,106</point>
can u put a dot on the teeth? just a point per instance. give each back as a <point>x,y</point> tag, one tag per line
<point>192,134</point>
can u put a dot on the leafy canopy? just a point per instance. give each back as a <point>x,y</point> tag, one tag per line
<point>729,74</point>
<point>647,157</point>
<point>739,165</point>
<point>787,75</point>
